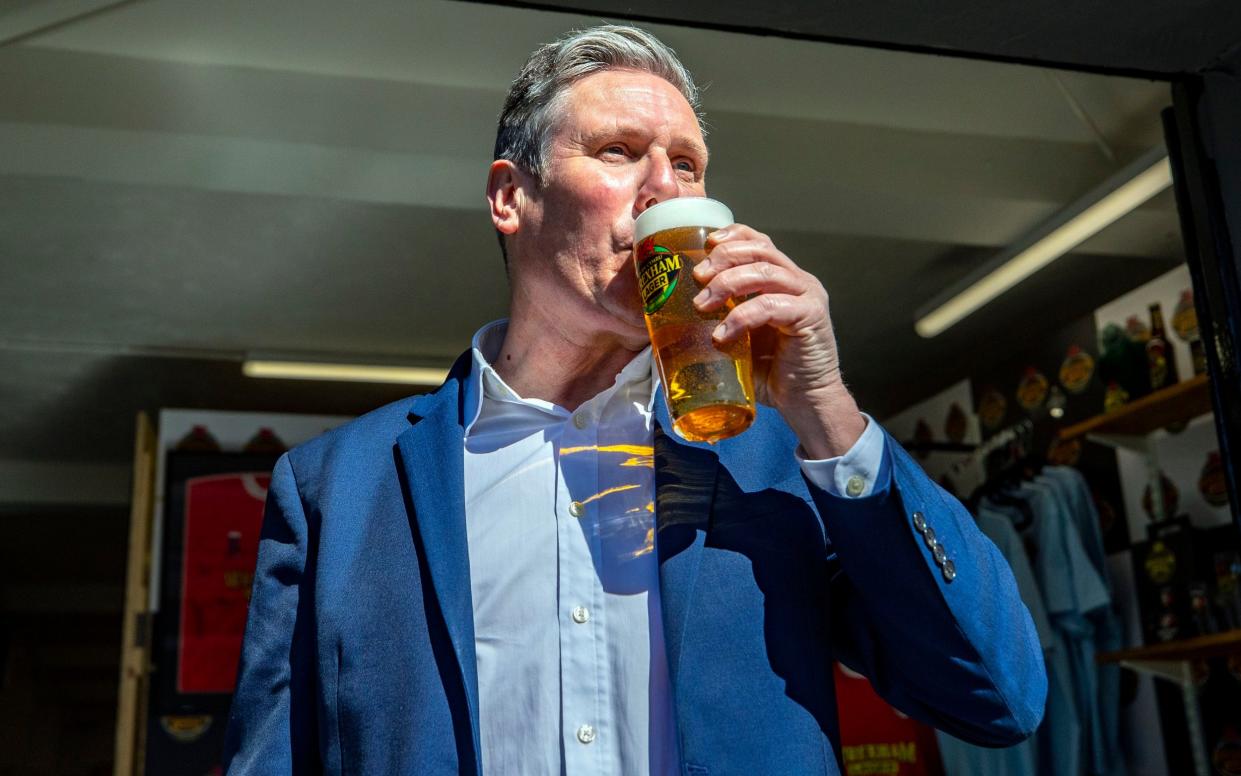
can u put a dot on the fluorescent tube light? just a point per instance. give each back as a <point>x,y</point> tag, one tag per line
<point>1108,203</point>
<point>362,373</point>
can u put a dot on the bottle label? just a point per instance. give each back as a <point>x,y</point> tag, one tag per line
<point>658,272</point>
<point>1160,563</point>
<point>1157,359</point>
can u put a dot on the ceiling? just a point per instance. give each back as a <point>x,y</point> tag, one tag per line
<point>1139,37</point>
<point>184,183</point>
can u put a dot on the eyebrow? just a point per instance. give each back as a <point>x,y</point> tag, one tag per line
<point>694,145</point>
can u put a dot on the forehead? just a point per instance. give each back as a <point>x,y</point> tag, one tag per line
<point>624,97</point>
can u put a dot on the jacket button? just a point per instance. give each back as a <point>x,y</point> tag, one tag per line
<point>950,571</point>
<point>919,522</point>
<point>941,557</point>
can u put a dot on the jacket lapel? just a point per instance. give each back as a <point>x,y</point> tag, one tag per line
<point>432,457</point>
<point>685,474</point>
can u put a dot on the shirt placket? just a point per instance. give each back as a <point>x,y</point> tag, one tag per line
<point>586,729</point>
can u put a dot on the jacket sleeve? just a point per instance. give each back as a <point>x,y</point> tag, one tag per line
<point>944,638</point>
<point>272,723</point>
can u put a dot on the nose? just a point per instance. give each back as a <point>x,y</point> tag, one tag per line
<point>659,184</point>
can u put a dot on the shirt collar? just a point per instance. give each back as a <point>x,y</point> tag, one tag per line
<point>484,383</point>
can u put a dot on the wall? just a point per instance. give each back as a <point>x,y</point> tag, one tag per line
<point>1181,455</point>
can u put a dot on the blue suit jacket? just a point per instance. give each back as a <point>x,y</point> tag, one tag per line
<point>359,648</point>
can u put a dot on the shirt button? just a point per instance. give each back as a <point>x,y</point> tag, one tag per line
<point>577,509</point>
<point>580,614</point>
<point>581,421</point>
<point>586,734</point>
<point>855,486</point>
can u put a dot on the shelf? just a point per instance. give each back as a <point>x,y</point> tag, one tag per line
<point>1183,401</point>
<point>1197,648</point>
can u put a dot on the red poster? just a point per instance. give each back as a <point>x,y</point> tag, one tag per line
<point>876,738</point>
<point>223,514</point>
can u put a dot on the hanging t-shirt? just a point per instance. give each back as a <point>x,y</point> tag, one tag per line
<point>1107,756</point>
<point>1054,555</point>
<point>223,515</point>
<point>876,738</point>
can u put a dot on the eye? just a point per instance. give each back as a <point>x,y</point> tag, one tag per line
<point>614,150</point>
<point>685,165</point>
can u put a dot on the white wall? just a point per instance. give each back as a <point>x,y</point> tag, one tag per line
<point>1180,456</point>
<point>934,410</point>
<point>1166,290</point>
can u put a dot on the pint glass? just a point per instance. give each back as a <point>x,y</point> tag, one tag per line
<point>710,390</point>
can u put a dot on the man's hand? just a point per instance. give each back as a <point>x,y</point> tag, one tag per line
<point>796,365</point>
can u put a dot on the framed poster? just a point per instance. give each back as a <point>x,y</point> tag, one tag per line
<point>214,505</point>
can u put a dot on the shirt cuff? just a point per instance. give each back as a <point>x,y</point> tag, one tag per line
<point>854,474</point>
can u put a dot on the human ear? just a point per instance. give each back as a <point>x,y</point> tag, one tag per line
<point>505,193</point>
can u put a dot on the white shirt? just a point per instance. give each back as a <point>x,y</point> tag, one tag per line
<point>560,525</point>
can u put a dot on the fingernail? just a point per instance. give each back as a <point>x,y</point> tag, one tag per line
<point>720,331</point>
<point>703,296</point>
<point>702,266</point>
<point>718,234</point>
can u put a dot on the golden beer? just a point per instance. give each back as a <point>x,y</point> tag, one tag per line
<point>710,390</point>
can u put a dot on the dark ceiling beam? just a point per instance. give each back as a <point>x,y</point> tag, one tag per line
<point>1156,39</point>
<point>35,19</point>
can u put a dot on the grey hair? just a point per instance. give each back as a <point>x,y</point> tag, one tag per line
<point>531,106</point>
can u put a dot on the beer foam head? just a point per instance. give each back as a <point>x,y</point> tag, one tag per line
<point>682,211</point>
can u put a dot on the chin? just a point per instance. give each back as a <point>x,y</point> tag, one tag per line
<point>637,331</point>
<point>627,326</point>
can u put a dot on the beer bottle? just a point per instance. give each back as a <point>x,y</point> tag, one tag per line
<point>1198,355</point>
<point>1159,356</point>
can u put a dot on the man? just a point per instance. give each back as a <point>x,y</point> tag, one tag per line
<point>526,572</point>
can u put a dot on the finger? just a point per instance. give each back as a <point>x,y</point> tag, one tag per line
<point>736,253</point>
<point>780,311</point>
<point>739,282</point>
<point>735,232</point>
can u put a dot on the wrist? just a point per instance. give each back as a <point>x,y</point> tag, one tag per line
<point>828,422</point>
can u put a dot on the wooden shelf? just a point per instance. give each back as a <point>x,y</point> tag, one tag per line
<point>1183,401</point>
<point>1198,648</point>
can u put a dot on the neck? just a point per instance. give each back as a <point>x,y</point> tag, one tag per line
<point>541,360</point>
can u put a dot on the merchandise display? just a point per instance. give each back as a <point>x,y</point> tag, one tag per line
<point>1109,563</point>
<point>1044,521</point>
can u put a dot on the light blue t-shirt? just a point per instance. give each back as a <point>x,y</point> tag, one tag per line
<point>1055,548</point>
<point>1106,754</point>
<point>1070,587</point>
